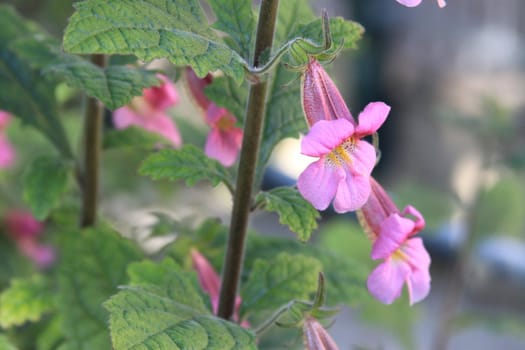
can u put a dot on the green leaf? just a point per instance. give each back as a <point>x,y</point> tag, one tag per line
<point>142,319</point>
<point>294,211</point>
<point>5,344</point>
<point>226,93</point>
<point>132,137</point>
<point>115,85</point>
<point>45,180</point>
<point>26,299</point>
<point>274,283</point>
<point>93,265</point>
<point>168,280</point>
<point>237,19</point>
<point>25,92</point>
<point>188,163</point>
<point>149,29</point>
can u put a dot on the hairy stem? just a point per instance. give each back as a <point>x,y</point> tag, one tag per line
<point>92,144</point>
<point>242,201</point>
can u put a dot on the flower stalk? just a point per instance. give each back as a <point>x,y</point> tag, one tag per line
<point>247,165</point>
<point>92,146</point>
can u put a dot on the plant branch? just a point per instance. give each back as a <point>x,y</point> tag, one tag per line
<point>92,144</point>
<point>247,165</point>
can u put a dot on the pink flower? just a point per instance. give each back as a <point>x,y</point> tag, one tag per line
<point>413,3</point>
<point>211,284</point>
<point>405,259</point>
<point>224,139</point>
<point>345,160</point>
<point>7,152</point>
<point>24,229</point>
<point>149,111</point>
<point>315,337</point>
<point>320,97</point>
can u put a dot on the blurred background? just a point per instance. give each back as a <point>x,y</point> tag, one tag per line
<point>453,146</point>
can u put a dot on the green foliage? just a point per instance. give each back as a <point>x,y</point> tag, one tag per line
<point>226,93</point>
<point>149,29</point>
<point>163,309</point>
<point>132,137</point>
<point>168,280</point>
<point>5,344</point>
<point>45,180</point>
<point>26,299</point>
<point>188,163</point>
<point>25,92</point>
<point>115,86</point>
<point>236,18</point>
<point>294,211</point>
<point>276,282</point>
<point>93,265</point>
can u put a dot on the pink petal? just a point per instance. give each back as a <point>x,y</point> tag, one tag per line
<point>442,3</point>
<point>320,97</point>
<point>7,153</point>
<point>420,220</point>
<point>418,256</point>
<point>163,96</point>
<point>324,136</point>
<point>42,255</point>
<point>318,183</point>
<point>363,158</point>
<point>386,281</point>
<point>124,117</point>
<point>21,224</point>
<point>418,285</point>
<point>224,145</point>
<point>409,3</point>
<point>352,193</point>
<point>371,118</point>
<point>163,125</point>
<point>208,278</point>
<point>394,232</point>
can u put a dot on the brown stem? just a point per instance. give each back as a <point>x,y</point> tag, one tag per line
<point>92,144</point>
<point>242,201</point>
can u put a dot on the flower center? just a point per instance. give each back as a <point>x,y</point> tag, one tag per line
<point>342,153</point>
<point>225,123</point>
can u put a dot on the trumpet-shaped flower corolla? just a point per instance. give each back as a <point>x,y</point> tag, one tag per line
<point>320,97</point>
<point>405,259</point>
<point>413,3</point>
<point>7,152</point>
<point>210,282</point>
<point>345,162</point>
<point>225,138</point>
<point>149,111</point>
<point>24,229</point>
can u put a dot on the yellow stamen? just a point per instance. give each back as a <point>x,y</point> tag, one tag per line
<point>342,153</point>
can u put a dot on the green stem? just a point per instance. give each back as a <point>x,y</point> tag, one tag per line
<point>89,175</point>
<point>242,201</point>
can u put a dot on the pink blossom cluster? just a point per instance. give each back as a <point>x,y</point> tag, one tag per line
<point>149,111</point>
<point>225,138</point>
<point>7,152</point>
<point>342,175</point>
<point>25,231</point>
